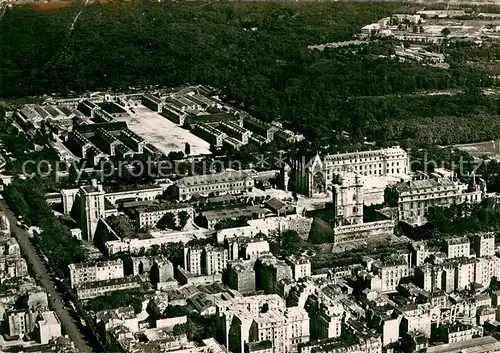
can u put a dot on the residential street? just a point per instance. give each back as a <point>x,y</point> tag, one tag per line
<point>44,279</point>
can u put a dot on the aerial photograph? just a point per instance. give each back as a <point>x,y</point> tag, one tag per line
<point>250,176</point>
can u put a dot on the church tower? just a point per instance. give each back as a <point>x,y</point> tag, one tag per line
<point>348,199</point>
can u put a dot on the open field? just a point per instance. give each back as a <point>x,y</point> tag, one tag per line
<point>490,149</point>
<point>162,133</point>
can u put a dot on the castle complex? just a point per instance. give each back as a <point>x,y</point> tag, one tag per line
<point>312,178</point>
<point>348,200</point>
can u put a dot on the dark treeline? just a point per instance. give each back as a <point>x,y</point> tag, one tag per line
<point>257,54</point>
<point>465,219</point>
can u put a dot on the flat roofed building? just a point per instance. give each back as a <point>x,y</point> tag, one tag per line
<point>214,260</point>
<point>241,277</point>
<point>485,344</point>
<point>233,181</point>
<point>192,260</point>
<point>48,327</point>
<point>210,134</point>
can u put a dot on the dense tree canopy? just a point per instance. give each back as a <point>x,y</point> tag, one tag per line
<point>258,55</point>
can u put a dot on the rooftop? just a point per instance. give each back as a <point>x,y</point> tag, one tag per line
<point>226,213</point>
<point>216,177</point>
<point>475,345</point>
<point>161,206</point>
<point>457,240</point>
<point>111,107</point>
<point>50,318</point>
<point>82,265</point>
<point>258,346</point>
<point>430,183</point>
<point>392,151</point>
<point>110,282</point>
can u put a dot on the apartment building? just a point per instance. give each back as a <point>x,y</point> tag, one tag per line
<point>214,260</point>
<point>455,274</point>
<point>263,318</point>
<point>390,273</point>
<point>241,277</point>
<point>484,244</point>
<point>96,289</point>
<point>87,272</point>
<point>300,265</point>
<point>192,260</point>
<point>20,322</point>
<point>285,328</point>
<point>458,247</point>
<point>270,271</point>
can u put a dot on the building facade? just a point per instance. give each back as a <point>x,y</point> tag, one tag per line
<point>91,208</point>
<point>87,272</point>
<point>311,177</point>
<point>413,198</point>
<point>232,182</point>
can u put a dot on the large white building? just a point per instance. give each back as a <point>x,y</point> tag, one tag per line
<point>413,198</point>
<point>192,260</point>
<point>312,177</point>
<point>285,329</point>
<point>208,260</point>
<point>391,273</point>
<point>87,272</point>
<point>48,327</point>
<point>300,265</point>
<point>458,247</point>
<point>215,259</point>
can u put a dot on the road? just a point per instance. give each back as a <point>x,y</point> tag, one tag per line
<point>43,279</point>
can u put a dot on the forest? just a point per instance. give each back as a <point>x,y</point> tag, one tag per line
<point>257,55</point>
